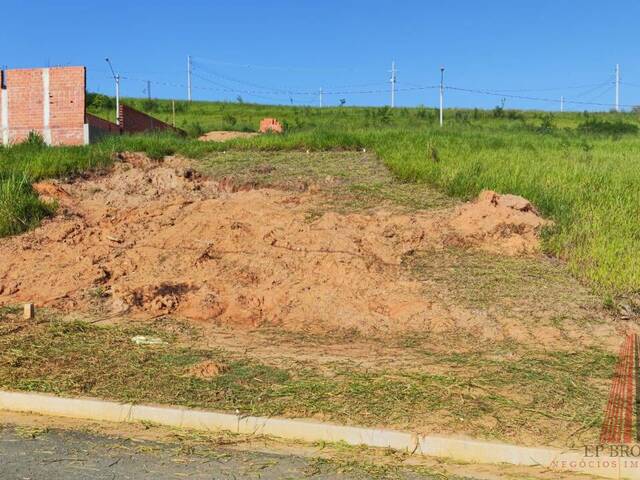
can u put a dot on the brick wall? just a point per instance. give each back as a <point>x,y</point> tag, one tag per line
<point>49,101</point>
<point>67,87</point>
<point>99,127</point>
<point>134,121</point>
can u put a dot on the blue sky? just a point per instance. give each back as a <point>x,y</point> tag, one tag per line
<point>274,51</point>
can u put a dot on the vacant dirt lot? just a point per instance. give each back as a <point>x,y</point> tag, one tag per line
<point>309,285</point>
<point>153,239</point>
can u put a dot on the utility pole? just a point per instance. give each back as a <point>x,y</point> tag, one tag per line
<point>173,111</point>
<point>189,78</point>
<point>393,84</point>
<point>561,104</point>
<point>320,97</point>
<point>149,89</point>
<point>116,77</point>
<point>118,99</point>
<point>617,87</point>
<point>441,96</point>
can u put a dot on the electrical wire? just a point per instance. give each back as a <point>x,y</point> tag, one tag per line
<point>596,91</point>
<point>538,99</point>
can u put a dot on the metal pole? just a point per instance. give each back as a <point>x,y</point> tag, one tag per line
<point>441,96</point>
<point>189,78</point>
<point>561,104</point>
<point>117,79</point>
<point>118,99</point>
<point>617,87</point>
<point>320,97</point>
<point>393,84</point>
<point>149,89</point>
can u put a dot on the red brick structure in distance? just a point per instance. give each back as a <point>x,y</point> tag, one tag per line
<point>271,125</point>
<point>51,102</point>
<point>134,121</point>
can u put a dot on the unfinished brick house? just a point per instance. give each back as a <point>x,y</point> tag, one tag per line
<point>51,102</point>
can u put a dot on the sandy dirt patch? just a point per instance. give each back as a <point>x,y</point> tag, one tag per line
<point>151,239</point>
<point>223,136</point>
<point>207,369</point>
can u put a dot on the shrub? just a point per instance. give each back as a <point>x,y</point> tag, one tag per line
<point>229,120</point>
<point>548,124</point>
<point>602,127</point>
<point>383,115</point>
<point>194,129</point>
<point>150,105</point>
<point>421,112</point>
<point>35,140</point>
<point>97,101</point>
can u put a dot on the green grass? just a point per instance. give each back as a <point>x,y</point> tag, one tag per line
<point>20,165</point>
<point>586,179</point>
<point>20,207</point>
<point>526,395</point>
<point>588,186</point>
<point>203,116</point>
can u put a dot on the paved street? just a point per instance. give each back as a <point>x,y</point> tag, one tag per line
<point>71,455</point>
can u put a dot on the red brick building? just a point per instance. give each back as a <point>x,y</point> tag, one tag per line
<point>51,102</point>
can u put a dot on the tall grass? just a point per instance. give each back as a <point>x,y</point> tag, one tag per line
<point>20,207</point>
<point>589,188</point>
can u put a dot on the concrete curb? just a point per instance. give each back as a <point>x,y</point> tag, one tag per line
<point>459,449</point>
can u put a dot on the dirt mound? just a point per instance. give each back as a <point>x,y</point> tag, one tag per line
<point>223,136</point>
<point>156,238</point>
<point>207,369</point>
<point>505,224</point>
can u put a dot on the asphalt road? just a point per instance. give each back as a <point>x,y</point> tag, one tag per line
<point>72,455</point>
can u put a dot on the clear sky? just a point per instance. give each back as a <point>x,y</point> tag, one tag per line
<point>277,51</point>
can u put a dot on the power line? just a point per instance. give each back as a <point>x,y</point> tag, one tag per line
<point>226,88</point>
<point>243,82</point>
<point>600,94</point>
<point>538,99</point>
<point>311,92</point>
<point>552,89</point>
<point>286,90</point>
<point>605,84</point>
<point>592,91</point>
